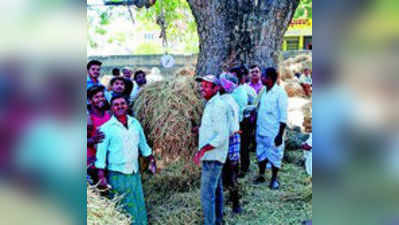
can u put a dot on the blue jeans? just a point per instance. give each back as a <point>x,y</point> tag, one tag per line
<point>212,192</point>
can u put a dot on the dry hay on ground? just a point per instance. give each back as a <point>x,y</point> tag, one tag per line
<point>305,194</point>
<point>168,110</point>
<point>186,71</point>
<point>293,88</point>
<point>307,120</point>
<point>290,66</point>
<point>103,211</point>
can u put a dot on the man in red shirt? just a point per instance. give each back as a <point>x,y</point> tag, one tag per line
<point>98,114</point>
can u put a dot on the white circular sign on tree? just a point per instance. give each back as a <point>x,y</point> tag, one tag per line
<point>167,61</point>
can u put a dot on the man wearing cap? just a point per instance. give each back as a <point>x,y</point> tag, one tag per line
<point>271,123</point>
<point>213,145</point>
<point>228,83</point>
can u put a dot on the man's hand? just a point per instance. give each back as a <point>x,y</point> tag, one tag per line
<point>152,166</point>
<point>198,156</point>
<point>306,147</point>
<point>278,140</point>
<point>201,153</point>
<point>194,130</point>
<point>97,138</point>
<point>103,184</point>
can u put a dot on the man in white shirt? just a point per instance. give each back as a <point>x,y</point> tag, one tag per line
<point>271,123</point>
<point>213,145</point>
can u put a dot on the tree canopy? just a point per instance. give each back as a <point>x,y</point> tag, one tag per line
<point>105,29</point>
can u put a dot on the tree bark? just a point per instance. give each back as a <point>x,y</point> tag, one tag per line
<point>235,32</point>
<point>240,32</point>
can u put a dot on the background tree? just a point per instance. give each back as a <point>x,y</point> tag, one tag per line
<point>230,31</point>
<point>240,31</point>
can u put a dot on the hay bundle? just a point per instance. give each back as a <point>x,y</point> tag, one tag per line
<point>285,73</point>
<point>307,124</point>
<point>290,66</point>
<point>302,59</point>
<point>307,120</point>
<point>186,71</point>
<point>102,211</point>
<point>168,110</point>
<point>304,194</point>
<point>293,89</point>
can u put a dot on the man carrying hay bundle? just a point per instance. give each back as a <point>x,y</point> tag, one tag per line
<point>230,169</point>
<point>118,154</point>
<point>271,123</point>
<point>213,145</point>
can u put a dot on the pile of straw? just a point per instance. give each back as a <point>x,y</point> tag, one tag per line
<point>290,66</point>
<point>293,88</point>
<point>307,120</point>
<point>186,71</point>
<point>305,194</point>
<point>168,110</point>
<point>102,211</point>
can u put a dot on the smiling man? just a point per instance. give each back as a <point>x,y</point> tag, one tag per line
<point>118,154</point>
<point>98,115</point>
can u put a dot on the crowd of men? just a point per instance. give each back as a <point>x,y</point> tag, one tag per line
<point>243,108</point>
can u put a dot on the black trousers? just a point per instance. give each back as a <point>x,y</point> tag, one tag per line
<point>245,127</point>
<point>93,174</point>
<point>230,182</point>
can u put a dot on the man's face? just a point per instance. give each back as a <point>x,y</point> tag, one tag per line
<point>118,86</point>
<point>306,72</point>
<point>208,90</point>
<point>127,74</point>
<point>255,74</point>
<point>94,71</point>
<point>98,100</point>
<point>119,107</point>
<point>140,79</point>
<point>267,81</point>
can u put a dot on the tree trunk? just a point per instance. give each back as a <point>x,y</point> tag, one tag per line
<point>240,31</point>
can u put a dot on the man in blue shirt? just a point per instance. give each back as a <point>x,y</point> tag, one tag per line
<point>118,86</point>
<point>93,73</point>
<point>213,145</point>
<point>271,123</point>
<point>118,154</point>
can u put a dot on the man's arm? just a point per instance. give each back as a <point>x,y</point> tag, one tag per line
<point>279,138</point>
<point>282,107</point>
<point>222,131</point>
<point>101,158</point>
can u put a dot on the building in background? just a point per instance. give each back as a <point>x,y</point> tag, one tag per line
<point>298,35</point>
